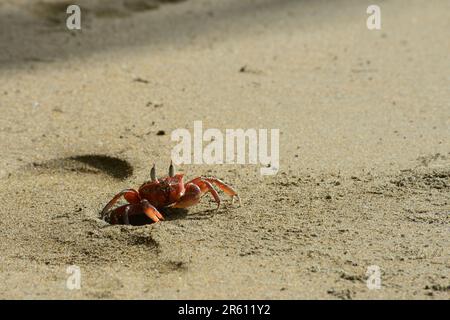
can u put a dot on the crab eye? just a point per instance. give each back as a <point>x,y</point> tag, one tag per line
<point>171,170</point>
<point>153,173</point>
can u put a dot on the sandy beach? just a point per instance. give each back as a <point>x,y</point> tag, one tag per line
<point>364,150</point>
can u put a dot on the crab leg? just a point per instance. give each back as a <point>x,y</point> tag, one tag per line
<point>126,219</point>
<point>191,196</point>
<point>205,186</point>
<point>131,195</point>
<point>223,186</point>
<point>120,212</point>
<point>123,213</point>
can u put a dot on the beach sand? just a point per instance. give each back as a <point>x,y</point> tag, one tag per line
<point>364,174</point>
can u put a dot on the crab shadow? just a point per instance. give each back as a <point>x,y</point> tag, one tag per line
<point>169,215</point>
<point>89,164</point>
<point>172,214</point>
<point>203,215</point>
<point>114,167</point>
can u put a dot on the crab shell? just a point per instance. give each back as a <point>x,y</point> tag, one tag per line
<point>164,192</point>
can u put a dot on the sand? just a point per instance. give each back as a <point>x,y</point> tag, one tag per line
<point>364,120</point>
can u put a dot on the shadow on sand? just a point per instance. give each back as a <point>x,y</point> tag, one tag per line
<point>36,33</point>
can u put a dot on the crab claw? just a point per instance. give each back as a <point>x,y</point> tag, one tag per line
<point>151,212</point>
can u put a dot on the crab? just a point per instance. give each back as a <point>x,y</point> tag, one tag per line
<point>167,192</point>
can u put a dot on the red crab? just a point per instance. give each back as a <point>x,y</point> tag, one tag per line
<point>163,193</point>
